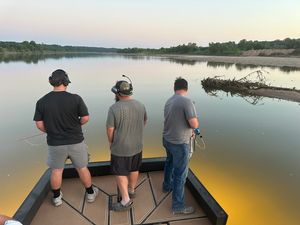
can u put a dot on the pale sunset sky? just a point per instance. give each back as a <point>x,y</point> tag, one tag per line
<point>149,24</point>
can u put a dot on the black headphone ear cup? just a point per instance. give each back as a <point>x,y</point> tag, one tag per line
<point>114,90</point>
<point>51,80</point>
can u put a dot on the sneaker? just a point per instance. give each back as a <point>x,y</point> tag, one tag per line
<point>120,207</point>
<point>165,191</point>
<point>91,197</point>
<point>132,194</point>
<point>185,210</point>
<point>58,200</point>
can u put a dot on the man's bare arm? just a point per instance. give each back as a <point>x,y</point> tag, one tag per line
<point>40,125</point>
<point>110,134</point>
<point>194,123</point>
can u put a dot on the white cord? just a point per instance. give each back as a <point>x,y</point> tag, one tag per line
<point>203,143</point>
<point>32,144</point>
<point>25,139</point>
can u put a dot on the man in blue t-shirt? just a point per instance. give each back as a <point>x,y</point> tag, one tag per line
<point>180,120</point>
<point>61,114</point>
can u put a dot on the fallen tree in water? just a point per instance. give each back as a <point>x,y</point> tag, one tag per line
<point>251,91</point>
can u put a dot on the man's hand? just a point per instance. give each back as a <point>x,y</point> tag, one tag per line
<point>84,119</point>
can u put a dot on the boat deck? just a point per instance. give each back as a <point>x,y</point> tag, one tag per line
<point>151,205</point>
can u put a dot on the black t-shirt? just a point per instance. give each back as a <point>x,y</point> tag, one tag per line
<point>61,112</point>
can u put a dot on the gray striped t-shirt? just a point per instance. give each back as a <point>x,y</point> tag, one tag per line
<point>128,118</point>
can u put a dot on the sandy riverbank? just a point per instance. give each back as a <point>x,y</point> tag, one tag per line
<point>293,96</point>
<point>245,60</point>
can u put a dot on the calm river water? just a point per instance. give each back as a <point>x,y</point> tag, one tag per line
<point>251,161</point>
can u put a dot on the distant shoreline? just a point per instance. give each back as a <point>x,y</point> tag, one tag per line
<point>244,60</point>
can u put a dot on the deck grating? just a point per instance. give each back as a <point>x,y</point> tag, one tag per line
<point>80,213</point>
<point>151,186</point>
<point>151,205</point>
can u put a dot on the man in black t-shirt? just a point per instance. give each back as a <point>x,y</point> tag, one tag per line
<point>60,114</point>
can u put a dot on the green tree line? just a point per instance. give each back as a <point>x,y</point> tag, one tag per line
<point>217,48</point>
<point>214,48</point>
<point>32,47</point>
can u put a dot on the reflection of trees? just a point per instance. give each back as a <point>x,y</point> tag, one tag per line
<point>288,69</point>
<point>241,67</point>
<point>220,64</point>
<point>35,58</point>
<point>252,99</point>
<point>182,62</point>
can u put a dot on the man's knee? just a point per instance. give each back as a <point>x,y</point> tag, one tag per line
<point>83,170</point>
<point>57,172</point>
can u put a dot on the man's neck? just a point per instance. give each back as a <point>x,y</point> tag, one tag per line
<point>181,92</point>
<point>125,98</point>
<point>60,88</point>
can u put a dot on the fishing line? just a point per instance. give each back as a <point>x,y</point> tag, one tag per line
<point>203,146</point>
<point>26,139</point>
<point>33,144</point>
<point>32,136</point>
<point>194,143</point>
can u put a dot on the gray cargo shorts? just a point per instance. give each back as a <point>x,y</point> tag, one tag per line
<point>57,155</point>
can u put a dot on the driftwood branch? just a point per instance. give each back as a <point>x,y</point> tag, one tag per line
<point>247,88</point>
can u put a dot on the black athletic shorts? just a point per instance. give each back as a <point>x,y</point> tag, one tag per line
<point>122,166</point>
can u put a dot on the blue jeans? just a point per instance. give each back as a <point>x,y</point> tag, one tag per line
<point>175,172</point>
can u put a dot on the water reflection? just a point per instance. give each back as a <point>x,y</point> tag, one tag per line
<point>35,58</point>
<point>241,67</point>
<point>219,64</point>
<point>251,161</point>
<point>182,62</point>
<point>251,99</point>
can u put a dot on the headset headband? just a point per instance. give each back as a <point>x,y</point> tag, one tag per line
<point>59,77</point>
<point>122,87</point>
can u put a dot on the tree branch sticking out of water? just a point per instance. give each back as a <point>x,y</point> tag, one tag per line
<point>252,90</point>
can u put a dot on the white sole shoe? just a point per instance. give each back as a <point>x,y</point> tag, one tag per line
<point>91,197</point>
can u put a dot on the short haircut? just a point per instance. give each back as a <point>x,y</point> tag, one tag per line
<point>180,84</point>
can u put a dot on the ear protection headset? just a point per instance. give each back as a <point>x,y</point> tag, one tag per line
<point>59,77</point>
<point>123,87</point>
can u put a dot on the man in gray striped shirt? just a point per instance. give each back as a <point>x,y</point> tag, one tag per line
<point>125,124</point>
